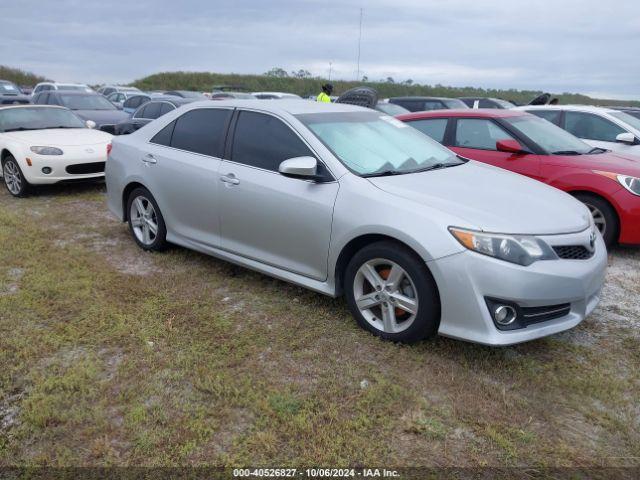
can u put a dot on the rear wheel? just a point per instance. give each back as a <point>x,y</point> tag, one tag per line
<point>13,178</point>
<point>145,220</point>
<point>391,293</point>
<point>604,216</point>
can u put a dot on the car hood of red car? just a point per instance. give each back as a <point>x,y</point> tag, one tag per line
<point>607,162</point>
<point>492,199</point>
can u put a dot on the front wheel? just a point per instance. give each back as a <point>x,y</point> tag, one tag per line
<point>392,294</point>
<point>13,178</point>
<point>604,216</point>
<point>145,220</point>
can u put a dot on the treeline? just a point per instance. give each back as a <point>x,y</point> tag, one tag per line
<point>304,85</point>
<point>20,77</point>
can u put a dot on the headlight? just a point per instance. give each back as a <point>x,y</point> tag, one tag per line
<point>47,150</point>
<point>630,183</point>
<point>520,249</point>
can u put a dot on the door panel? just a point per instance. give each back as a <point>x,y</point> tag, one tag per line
<point>281,221</point>
<point>185,186</point>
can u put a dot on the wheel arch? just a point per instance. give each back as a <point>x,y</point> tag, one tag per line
<point>353,246</point>
<point>131,186</point>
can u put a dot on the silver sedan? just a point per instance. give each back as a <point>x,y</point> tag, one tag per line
<point>345,200</point>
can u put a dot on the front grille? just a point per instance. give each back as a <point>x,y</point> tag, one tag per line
<point>573,252</point>
<point>85,168</point>
<point>542,314</point>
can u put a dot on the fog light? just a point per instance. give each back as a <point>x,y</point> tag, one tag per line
<point>504,314</point>
<point>46,170</point>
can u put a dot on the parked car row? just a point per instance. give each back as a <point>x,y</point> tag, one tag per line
<point>408,217</point>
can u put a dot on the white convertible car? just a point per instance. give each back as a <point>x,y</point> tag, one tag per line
<point>48,144</point>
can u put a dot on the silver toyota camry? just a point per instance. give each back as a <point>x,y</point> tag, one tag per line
<point>345,200</point>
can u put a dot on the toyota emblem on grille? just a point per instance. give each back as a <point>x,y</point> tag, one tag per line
<point>592,240</point>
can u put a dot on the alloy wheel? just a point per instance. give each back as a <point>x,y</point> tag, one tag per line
<point>598,218</point>
<point>12,177</point>
<point>386,295</point>
<point>144,220</point>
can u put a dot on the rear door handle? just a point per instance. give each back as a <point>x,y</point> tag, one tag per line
<point>149,158</point>
<point>230,179</point>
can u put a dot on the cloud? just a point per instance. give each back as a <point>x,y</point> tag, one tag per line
<point>573,45</point>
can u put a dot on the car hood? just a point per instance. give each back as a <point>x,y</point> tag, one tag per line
<point>61,137</point>
<point>607,162</point>
<point>102,117</point>
<point>491,199</point>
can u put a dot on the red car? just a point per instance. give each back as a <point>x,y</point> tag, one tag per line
<point>608,183</point>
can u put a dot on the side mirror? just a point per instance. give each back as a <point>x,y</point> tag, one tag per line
<point>299,167</point>
<point>509,146</point>
<point>90,124</point>
<point>628,138</point>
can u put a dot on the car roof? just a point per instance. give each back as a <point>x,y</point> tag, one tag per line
<point>418,97</point>
<point>290,106</point>
<point>579,108</point>
<point>31,105</point>
<point>72,92</point>
<point>170,98</point>
<point>467,112</point>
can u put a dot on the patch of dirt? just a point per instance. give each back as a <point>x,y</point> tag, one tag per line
<point>10,412</point>
<point>12,287</point>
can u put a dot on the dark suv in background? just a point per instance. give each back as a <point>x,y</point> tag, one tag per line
<point>420,104</point>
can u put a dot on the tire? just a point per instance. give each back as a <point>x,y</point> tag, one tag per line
<point>405,310</point>
<point>604,215</point>
<point>13,178</point>
<point>143,215</point>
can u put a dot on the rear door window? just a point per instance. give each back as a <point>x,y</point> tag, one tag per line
<point>479,133</point>
<point>591,127</point>
<point>434,127</point>
<point>166,108</point>
<point>201,131</point>
<point>152,111</point>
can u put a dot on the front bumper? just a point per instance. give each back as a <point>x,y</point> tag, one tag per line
<point>63,166</point>
<point>466,279</point>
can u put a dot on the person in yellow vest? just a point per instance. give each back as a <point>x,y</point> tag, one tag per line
<point>325,94</point>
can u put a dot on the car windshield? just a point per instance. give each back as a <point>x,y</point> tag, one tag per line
<point>549,137</point>
<point>391,108</point>
<point>86,102</point>
<point>628,119</point>
<point>454,103</point>
<point>370,143</point>
<point>8,87</point>
<point>37,118</point>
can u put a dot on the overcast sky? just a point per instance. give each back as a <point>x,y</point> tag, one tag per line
<point>586,46</point>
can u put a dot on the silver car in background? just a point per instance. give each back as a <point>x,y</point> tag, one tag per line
<point>346,200</point>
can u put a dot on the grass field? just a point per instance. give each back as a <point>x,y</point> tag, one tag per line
<point>114,356</point>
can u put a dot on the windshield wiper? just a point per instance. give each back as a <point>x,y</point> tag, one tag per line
<point>597,150</point>
<point>384,173</point>
<point>438,166</point>
<point>566,152</point>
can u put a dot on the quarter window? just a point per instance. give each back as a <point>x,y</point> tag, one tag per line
<point>479,133</point>
<point>552,116</point>
<point>265,142</point>
<point>434,128</point>
<point>163,137</point>
<point>201,131</point>
<point>166,108</point>
<point>591,127</point>
<point>152,111</point>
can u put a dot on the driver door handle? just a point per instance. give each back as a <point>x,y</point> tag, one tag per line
<point>230,179</point>
<point>149,158</point>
